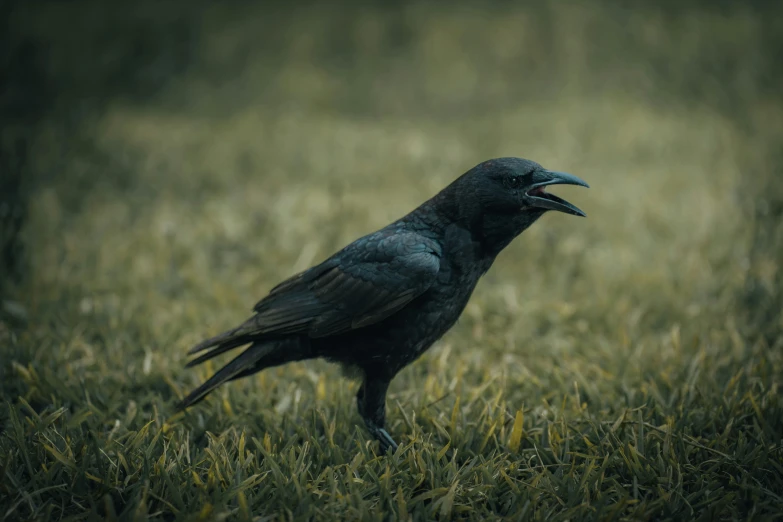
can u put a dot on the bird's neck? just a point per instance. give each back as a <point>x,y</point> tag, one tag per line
<point>429,219</point>
<point>499,231</point>
<point>492,231</point>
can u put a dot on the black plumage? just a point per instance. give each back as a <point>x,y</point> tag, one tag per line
<point>380,302</point>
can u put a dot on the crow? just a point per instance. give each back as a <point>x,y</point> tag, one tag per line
<point>383,300</point>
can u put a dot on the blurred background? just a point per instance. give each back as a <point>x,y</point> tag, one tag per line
<point>185,156</point>
<point>164,164</point>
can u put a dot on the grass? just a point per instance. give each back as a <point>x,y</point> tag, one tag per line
<point>623,367</point>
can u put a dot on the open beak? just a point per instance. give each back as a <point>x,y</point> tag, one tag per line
<point>538,197</point>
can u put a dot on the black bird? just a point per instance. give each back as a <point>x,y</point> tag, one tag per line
<point>379,303</point>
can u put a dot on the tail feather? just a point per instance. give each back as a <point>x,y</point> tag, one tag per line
<point>243,363</point>
<point>220,348</point>
<point>218,339</point>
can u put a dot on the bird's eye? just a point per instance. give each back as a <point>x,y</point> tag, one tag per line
<point>515,182</point>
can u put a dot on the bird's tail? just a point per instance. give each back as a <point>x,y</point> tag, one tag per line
<point>259,355</point>
<point>245,363</point>
<point>221,343</point>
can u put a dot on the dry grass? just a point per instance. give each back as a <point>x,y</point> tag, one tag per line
<point>626,366</point>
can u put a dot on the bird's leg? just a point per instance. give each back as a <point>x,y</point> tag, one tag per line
<point>371,400</point>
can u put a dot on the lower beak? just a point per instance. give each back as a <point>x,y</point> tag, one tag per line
<point>538,197</point>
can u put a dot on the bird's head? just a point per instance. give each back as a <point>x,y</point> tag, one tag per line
<point>504,196</point>
<point>515,185</point>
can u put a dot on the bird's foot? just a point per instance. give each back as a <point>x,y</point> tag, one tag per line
<point>386,441</point>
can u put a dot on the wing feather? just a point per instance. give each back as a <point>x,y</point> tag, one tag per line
<point>365,283</point>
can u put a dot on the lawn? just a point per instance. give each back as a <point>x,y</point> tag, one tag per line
<point>179,160</point>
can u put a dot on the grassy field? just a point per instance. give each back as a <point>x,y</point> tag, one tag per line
<point>185,159</point>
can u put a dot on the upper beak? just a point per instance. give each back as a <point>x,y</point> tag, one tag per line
<point>539,198</point>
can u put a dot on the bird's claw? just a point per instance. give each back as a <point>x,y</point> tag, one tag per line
<point>385,440</point>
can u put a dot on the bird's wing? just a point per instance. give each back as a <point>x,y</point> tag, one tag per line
<point>363,284</point>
